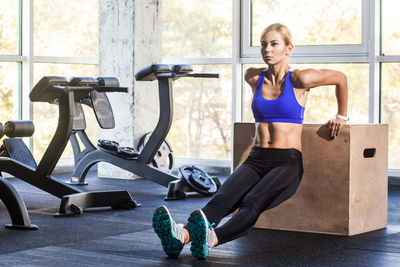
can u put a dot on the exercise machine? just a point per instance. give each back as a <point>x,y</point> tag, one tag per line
<point>12,200</point>
<point>20,163</point>
<point>131,159</point>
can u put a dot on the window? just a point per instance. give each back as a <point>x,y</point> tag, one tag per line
<point>390,109</point>
<point>70,33</point>
<point>62,32</point>
<point>66,28</point>
<point>9,93</point>
<point>328,22</point>
<point>357,75</point>
<point>213,36</point>
<point>319,28</point>
<point>202,115</point>
<point>390,81</point>
<point>9,71</point>
<point>9,27</point>
<point>193,29</point>
<point>326,34</point>
<point>390,27</point>
<point>200,34</point>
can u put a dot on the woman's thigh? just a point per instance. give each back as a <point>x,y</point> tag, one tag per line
<point>231,193</point>
<point>278,185</point>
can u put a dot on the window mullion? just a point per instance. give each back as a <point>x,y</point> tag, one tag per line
<point>374,50</point>
<point>27,62</point>
<point>27,54</point>
<point>236,69</point>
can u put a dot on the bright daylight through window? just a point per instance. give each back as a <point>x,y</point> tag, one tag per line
<point>226,41</point>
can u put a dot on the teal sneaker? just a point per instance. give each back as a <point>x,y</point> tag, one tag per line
<point>169,232</point>
<point>201,234</point>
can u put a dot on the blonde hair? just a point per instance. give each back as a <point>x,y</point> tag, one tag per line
<point>280,28</point>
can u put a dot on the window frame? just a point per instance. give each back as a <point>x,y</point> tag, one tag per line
<point>310,53</point>
<point>26,60</point>
<point>381,58</point>
<point>369,51</point>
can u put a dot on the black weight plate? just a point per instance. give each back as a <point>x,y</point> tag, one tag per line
<point>128,152</point>
<point>198,179</point>
<point>164,158</point>
<point>108,145</point>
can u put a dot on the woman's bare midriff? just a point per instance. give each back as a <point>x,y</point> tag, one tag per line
<point>278,135</point>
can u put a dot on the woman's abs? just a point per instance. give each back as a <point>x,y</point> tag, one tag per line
<point>278,135</point>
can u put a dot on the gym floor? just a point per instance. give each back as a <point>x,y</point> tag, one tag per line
<point>105,237</point>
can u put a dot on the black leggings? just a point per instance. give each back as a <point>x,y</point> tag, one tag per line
<point>268,177</point>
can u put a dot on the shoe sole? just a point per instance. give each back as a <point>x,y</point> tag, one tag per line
<point>197,228</point>
<point>162,225</point>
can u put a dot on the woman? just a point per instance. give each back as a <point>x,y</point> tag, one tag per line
<point>273,170</point>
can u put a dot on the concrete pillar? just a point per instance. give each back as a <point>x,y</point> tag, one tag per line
<point>129,39</point>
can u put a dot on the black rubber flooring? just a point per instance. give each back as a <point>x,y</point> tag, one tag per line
<point>105,237</point>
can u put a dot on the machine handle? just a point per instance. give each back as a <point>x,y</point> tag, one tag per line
<point>182,75</point>
<point>22,128</point>
<point>111,89</point>
<point>202,75</point>
<point>97,88</point>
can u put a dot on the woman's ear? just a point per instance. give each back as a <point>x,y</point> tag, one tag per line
<point>289,49</point>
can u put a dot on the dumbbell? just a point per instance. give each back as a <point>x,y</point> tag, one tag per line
<point>20,128</point>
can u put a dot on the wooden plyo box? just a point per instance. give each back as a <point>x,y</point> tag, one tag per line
<point>345,182</point>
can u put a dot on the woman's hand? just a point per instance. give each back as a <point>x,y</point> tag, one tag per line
<point>335,125</point>
<point>311,78</point>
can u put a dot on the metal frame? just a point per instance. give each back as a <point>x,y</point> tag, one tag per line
<point>374,65</point>
<point>65,60</point>
<point>88,155</point>
<point>304,52</point>
<point>91,155</point>
<point>15,207</point>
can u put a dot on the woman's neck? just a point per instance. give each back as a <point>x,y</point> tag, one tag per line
<point>276,73</point>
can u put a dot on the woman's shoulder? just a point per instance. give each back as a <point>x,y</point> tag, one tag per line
<point>302,72</point>
<point>251,75</point>
<point>309,78</point>
<point>302,76</point>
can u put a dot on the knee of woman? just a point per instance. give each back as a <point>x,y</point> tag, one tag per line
<point>248,216</point>
<point>251,206</point>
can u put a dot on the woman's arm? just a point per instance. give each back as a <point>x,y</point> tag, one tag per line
<point>251,77</point>
<point>311,78</point>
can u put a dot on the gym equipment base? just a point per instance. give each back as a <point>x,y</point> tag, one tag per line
<point>74,203</point>
<point>16,207</point>
<point>73,200</point>
<point>178,189</point>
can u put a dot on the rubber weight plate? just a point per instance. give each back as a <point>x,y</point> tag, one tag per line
<point>164,158</point>
<point>128,152</point>
<point>108,145</point>
<point>198,179</point>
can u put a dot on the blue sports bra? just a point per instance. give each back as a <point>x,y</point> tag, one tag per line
<point>285,108</point>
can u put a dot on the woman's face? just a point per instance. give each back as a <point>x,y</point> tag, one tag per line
<point>273,48</point>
